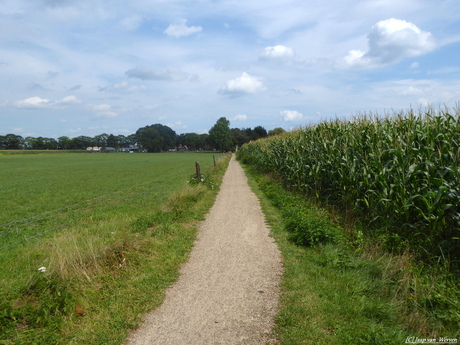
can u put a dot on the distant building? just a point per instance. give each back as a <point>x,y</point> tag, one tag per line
<point>130,148</point>
<point>94,149</point>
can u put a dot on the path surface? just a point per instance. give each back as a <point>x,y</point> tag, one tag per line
<point>228,290</point>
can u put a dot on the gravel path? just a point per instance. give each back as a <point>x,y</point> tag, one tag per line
<point>228,290</point>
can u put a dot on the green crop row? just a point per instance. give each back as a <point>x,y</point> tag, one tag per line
<point>399,174</point>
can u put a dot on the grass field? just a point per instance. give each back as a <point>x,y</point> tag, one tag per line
<point>108,231</point>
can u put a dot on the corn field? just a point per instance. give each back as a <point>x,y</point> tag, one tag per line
<point>398,174</point>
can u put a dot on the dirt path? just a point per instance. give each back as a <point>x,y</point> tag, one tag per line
<point>228,290</point>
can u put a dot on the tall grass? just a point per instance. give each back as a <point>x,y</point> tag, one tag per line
<point>399,174</point>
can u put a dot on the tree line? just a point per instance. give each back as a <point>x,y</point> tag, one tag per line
<point>152,138</point>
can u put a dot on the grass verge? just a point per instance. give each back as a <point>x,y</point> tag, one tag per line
<point>338,292</point>
<point>98,282</point>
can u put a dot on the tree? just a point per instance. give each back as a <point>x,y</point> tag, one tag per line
<point>192,140</point>
<point>239,137</point>
<point>11,142</point>
<point>82,142</point>
<point>112,141</point>
<point>221,135</point>
<point>64,143</point>
<point>259,132</point>
<point>276,131</point>
<point>101,140</point>
<point>131,140</point>
<point>156,138</point>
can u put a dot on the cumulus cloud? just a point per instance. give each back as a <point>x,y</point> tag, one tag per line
<point>243,85</point>
<point>410,91</point>
<point>178,125</point>
<point>278,52</point>
<point>291,115</point>
<point>40,103</point>
<point>68,100</point>
<point>180,29</point>
<point>103,110</point>
<point>391,41</point>
<point>152,74</point>
<point>240,117</point>
<point>33,102</point>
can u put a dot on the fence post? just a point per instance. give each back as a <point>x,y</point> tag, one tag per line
<point>214,157</point>
<point>198,172</point>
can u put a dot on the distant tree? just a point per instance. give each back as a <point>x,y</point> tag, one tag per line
<point>11,142</point>
<point>239,137</point>
<point>28,143</point>
<point>42,143</point>
<point>156,138</point>
<point>112,141</point>
<point>259,132</point>
<point>205,142</point>
<point>131,140</point>
<point>64,143</point>
<point>82,142</point>
<point>248,132</point>
<point>101,140</point>
<point>121,141</point>
<point>276,131</point>
<point>192,140</point>
<point>221,135</point>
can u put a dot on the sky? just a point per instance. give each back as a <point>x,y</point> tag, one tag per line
<point>85,67</point>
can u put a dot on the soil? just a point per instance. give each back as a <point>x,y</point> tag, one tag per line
<point>228,291</point>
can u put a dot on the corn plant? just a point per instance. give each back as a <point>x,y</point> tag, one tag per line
<point>399,174</point>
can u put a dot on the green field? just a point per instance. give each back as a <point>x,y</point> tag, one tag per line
<point>104,226</point>
<point>46,194</point>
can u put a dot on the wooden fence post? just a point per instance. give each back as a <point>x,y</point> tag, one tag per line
<point>214,157</point>
<point>198,172</point>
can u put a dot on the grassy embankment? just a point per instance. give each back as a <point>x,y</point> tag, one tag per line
<point>110,230</point>
<point>368,226</point>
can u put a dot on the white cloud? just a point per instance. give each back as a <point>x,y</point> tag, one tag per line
<point>103,110</point>
<point>68,100</point>
<point>178,125</point>
<point>240,117</point>
<point>278,52</point>
<point>152,74</point>
<point>246,84</point>
<point>33,102</point>
<point>411,91</point>
<point>39,103</point>
<point>291,115</point>
<point>356,58</point>
<point>391,41</point>
<point>180,29</point>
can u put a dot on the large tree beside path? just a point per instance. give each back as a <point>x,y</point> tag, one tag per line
<point>221,135</point>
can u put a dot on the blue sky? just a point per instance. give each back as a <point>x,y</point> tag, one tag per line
<point>83,67</point>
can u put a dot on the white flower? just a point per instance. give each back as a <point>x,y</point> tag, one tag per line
<point>42,269</point>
